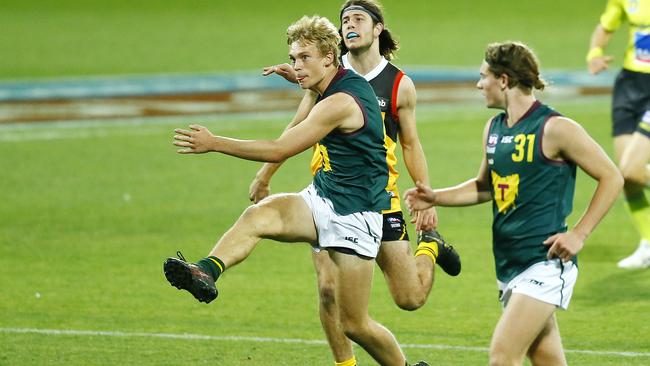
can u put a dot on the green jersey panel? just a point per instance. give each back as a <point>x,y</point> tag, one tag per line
<point>354,173</point>
<point>531,194</point>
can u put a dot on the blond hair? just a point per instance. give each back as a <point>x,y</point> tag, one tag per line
<point>516,60</point>
<point>318,31</point>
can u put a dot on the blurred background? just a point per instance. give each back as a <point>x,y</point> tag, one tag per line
<point>207,55</point>
<point>89,38</point>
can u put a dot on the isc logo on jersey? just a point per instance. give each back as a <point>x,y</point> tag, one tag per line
<point>382,103</point>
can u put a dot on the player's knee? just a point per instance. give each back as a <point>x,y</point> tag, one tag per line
<point>251,212</point>
<point>539,356</point>
<point>499,356</point>
<point>259,217</point>
<point>355,330</point>
<point>500,359</point>
<point>410,301</point>
<point>354,326</point>
<point>537,359</point>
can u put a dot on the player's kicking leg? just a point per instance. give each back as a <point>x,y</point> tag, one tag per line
<point>283,217</point>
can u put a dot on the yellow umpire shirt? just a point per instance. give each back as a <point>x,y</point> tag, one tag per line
<point>637,14</point>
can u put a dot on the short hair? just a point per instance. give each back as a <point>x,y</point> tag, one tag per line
<point>387,44</point>
<point>516,60</point>
<point>318,31</point>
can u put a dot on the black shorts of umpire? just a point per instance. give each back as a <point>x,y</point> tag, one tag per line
<point>630,101</point>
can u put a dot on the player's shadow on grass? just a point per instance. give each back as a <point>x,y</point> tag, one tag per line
<point>621,285</point>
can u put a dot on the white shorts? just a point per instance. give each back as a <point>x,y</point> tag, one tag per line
<point>360,231</point>
<point>550,281</point>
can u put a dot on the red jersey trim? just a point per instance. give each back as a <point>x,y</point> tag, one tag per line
<point>393,98</point>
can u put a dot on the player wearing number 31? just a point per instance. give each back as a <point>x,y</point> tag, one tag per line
<point>528,171</point>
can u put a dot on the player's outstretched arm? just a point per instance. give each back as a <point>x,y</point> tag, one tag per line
<point>260,187</point>
<point>471,192</point>
<point>333,112</point>
<point>565,139</point>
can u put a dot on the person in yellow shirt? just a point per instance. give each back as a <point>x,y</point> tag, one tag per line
<point>630,110</point>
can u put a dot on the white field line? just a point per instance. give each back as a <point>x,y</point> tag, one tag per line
<point>186,336</point>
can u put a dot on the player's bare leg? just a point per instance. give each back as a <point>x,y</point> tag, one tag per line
<point>634,160</point>
<point>547,348</point>
<point>409,278</point>
<point>522,322</point>
<point>283,217</point>
<point>633,152</point>
<point>326,272</point>
<point>354,283</point>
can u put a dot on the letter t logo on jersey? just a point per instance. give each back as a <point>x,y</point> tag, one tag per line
<point>506,190</point>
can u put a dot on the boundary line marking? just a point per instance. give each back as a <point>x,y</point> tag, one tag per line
<point>234,338</point>
<point>182,83</point>
<point>103,127</point>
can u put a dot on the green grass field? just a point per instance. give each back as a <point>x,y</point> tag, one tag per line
<point>91,37</point>
<point>90,211</point>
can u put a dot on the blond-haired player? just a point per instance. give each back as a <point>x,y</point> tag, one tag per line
<point>368,46</point>
<point>339,213</point>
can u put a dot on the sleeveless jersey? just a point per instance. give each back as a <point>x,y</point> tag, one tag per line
<point>637,14</point>
<point>384,79</point>
<point>531,194</point>
<point>353,172</point>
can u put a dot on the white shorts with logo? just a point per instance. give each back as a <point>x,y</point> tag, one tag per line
<point>550,281</point>
<point>359,231</point>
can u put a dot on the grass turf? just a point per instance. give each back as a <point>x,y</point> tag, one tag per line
<point>90,212</point>
<point>91,37</point>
